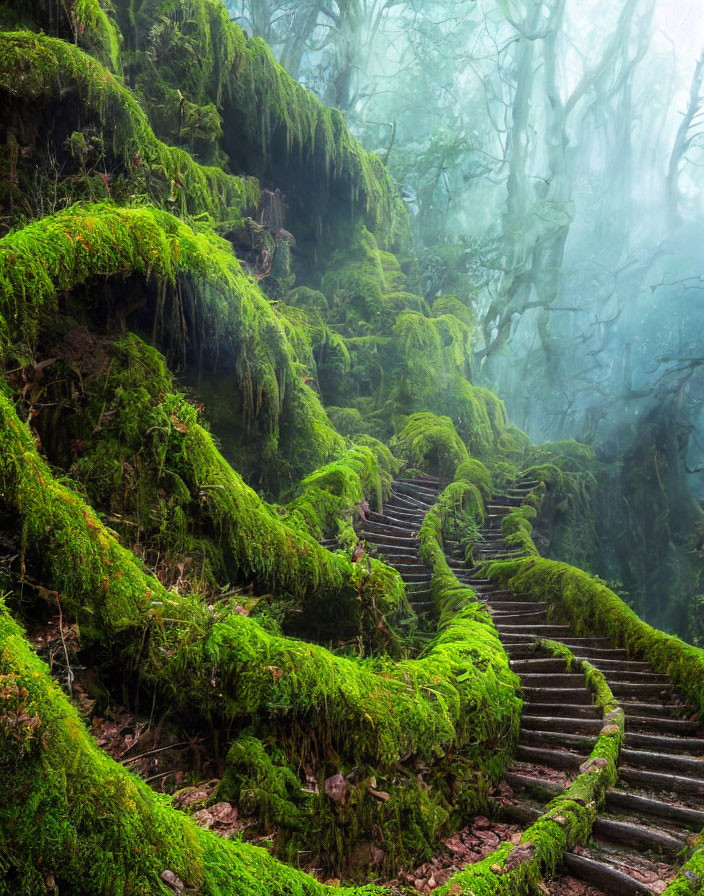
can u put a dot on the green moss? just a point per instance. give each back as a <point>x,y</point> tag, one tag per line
<point>592,609</point>
<point>34,71</point>
<point>567,820</point>
<point>431,444</point>
<point>231,322</point>
<point>71,812</point>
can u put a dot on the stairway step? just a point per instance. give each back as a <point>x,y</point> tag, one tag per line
<point>382,539</point>
<point>642,837</point>
<point>563,710</point>
<point>684,816</point>
<point>557,695</point>
<point>605,876</point>
<point>560,759</point>
<point>661,781</point>
<point>507,617</point>
<point>518,605</point>
<point>516,780</point>
<point>534,680</point>
<point>640,689</point>
<point>694,745</point>
<point>671,763</point>
<point>652,723</point>
<point>535,631</point>
<point>372,528</point>
<point>561,723</point>
<point>536,738</point>
<point>646,709</point>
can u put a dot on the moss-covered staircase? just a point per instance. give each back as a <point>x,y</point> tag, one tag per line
<point>657,806</point>
<point>393,534</point>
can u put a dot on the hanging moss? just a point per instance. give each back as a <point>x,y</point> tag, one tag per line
<point>431,444</point>
<point>35,71</point>
<point>83,22</point>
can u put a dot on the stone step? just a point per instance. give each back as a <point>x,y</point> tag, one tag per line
<point>534,737</point>
<point>640,689</point>
<point>382,539</point>
<point>640,709</point>
<point>534,680</point>
<point>665,744</point>
<point>506,617</point>
<point>371,527</point>
<point>517,605</point>
<point>534,631</point>
<point>650,723</point>
<point>517,781</point>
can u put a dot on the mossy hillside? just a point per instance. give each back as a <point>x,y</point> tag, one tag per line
<point>86,23</point>
<point>373,710</point>
<point>34,73</point>
<point>452,707</point>
<point>221,319</point>
<point>188,503</point>
<point>568,818</point>
<point>172,497</point>
<point>70,812</point>
<point>593,609</point>
<point>195,73</point>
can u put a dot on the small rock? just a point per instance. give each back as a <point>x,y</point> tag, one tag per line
<point>336,787</point>
<point>172,881</point>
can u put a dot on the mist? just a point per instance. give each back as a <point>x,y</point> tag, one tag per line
<point>551,156</point>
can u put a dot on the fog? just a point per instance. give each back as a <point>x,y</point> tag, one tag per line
<point>551,154</point>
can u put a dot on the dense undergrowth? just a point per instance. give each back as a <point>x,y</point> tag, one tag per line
<point>215,356</point>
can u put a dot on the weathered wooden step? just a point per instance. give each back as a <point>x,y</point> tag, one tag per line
<point>564,710</point>
<point>370,526</point>
<point>635,676</point>
<point>535,631</point>
<point>516,780</point>
<point>605,876</point>
<point>380,539</point>
<point>616,665</point>
<point>534,737</point>
<point>527,638</point>
<point>694,745</point>
<point>414,487</point>
<point>517,605</point>
<point>669,762</point>
<point>561,723</point>
<point>557,695</point>
<point>684,816</point>
<point>561,759</point>
<point>402,514</point>
<point>666,723</point>
<point>653,709</point>
<point>656,781</point>
<point>640,689</point>
<point>395,550</point>
<point>411,503</point>
<point>535,680</point>
<point>507,500</point>
<point>507,617</point>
